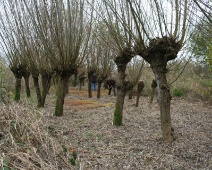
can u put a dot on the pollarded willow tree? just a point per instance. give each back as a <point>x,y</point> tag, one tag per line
<point>158,35</point>
<point>105,66</point>
<point>103,57</point>
<point>31,49</point>
<point>119,39</point>
<point>12,44</point>
<point>134,72</point>
<point>161,48</point>
<point>64,33</point>
<point>99,58</point>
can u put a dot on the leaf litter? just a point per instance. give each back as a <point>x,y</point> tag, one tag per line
<point>42,141</point>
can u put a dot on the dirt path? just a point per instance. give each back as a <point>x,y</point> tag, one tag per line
<point>137,145</point>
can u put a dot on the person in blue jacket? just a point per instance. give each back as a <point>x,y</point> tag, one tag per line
<point>93,81</point>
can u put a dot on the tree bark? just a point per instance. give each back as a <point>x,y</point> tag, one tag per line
<point>122,86</point>
<point>139,90</point>
<point>159,52</point>
<point>153,86</point>
<point>75,79</point>
<point>18,87</point>
<point>61,87</point>
<point>46,80</point>
<point>66,85</point>
<point>89,85</point>
<point>89,89</point>
<point>26,79</point>
<point>118,112</point>
<point>37,89</point>
<point>164,101</point>
<point>99,84</point>
<point>131,94</point>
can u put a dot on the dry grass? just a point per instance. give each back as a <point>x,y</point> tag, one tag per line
<point>34,139</point>
<point>136,145</point>
<point>26,141</point>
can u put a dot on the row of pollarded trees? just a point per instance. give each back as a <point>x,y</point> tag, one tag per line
<point>144,28</point>
<point>46,38</point>
<point>57,37</point>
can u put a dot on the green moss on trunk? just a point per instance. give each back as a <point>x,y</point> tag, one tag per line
<point>17,95</point>
<point>18,89</point>
<point>117,118</point>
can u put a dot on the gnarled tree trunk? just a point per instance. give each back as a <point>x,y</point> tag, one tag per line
<point>160,51</point>
<point>17,87</point>
<point>122,87</point>
<point>153,86</point>
<point>139,90</point>
<point>164,101</point>
<point>61,90</point>
<point>131,93</point>
<point>75,79</point>
<point>35,77</point>
<point>26,76</point>
<point>46,82</point>
<point>89,84</point>
<point>99,84</point>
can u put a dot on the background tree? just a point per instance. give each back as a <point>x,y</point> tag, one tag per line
<point>12,43</point>
<point>134,72</point>
<point>30,48</point>
<point>158,34</point>
<point>103,56</point>
<point>65,40</point>
<point>201,40</point>
<point>105,67</point>
<point>119,40</point>
<point>161,49</point>
<point>91,62</point>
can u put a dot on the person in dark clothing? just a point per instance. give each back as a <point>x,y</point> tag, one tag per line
<point>111,85</point>
<point>82,80</point>
<point>93,81</point>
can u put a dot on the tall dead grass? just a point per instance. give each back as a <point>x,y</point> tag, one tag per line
<point>195,83</point>
<point>26,141</point>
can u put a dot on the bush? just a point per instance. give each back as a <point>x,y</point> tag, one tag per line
<point>177,92</point>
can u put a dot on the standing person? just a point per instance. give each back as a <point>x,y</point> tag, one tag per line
<point>82,80</point>
<point>93,81</point>
<point>111,85</point>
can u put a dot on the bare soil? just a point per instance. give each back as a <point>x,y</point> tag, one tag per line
<point>86,127</point>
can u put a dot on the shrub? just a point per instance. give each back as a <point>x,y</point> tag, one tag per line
<point>177,92</point>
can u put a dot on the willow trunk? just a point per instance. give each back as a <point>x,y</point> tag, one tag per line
<point>118,112</point>
<point>89,88</point>
<point>61,91</point>
<point>46,80</point>
<point>26,79</point>
<point>164,100</point>
<point>120,96</point>
<point>99,84</point>
<point>37,89</point>
<point>17,87</point>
